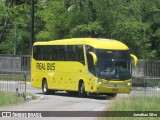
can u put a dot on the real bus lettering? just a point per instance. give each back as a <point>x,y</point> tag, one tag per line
<point>43,66</point>
<point>50,66</point>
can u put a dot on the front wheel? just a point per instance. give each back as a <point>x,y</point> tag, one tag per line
<point>81,90</point>
<point>45,89</point>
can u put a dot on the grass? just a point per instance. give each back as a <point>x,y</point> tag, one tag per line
<point>9,98</point>
<point>12,98</point>
<point>134,103</point>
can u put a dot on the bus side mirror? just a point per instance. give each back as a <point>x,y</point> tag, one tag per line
<point>135,59</point>
<point>94,57</point>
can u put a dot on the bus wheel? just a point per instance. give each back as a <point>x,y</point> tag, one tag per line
<point>111,95</point>
<point>45,89</point>
<point>81,90</point>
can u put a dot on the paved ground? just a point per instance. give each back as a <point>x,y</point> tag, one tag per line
<point>60,101</point>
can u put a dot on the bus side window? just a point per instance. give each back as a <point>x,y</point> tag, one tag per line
<point>80,54</point>
<point>70,53</point>
<point>55,52</point>
<point>90,59</point>
<point>90,63</point>
<point>60,51</point>
<point>36,52</point>
<point>45,53</point>
<point>50,52</point>
<point>42,53</point>
<point>51,55</point>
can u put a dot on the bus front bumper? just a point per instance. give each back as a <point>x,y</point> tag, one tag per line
<point>113,88</point>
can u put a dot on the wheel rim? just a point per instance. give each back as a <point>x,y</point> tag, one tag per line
<point>81,90</point>
<point>44,87</point>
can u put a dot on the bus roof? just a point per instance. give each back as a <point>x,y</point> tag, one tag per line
<point>100,43</point>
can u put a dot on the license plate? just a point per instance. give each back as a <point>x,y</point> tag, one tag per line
<point>115,90</point>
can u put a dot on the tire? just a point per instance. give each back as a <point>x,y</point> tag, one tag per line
<point>45,89</point>
<point>112,95</point>
<point>81,90</point>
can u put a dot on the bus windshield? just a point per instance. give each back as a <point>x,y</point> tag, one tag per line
<point>113,64</point>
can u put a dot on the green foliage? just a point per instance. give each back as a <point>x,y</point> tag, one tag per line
<point>92,29</point>
<point>134,22</point>
<point>3,10</point>
<point>16,29</point>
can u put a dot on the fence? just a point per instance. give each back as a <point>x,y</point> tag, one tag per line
<point>146,77</point>
<point>13,83</point>
<point>148,87</point>
<point>14,72</point>
<point>147,68</point>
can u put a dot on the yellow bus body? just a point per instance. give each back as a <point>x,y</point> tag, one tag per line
<point>67,75</point>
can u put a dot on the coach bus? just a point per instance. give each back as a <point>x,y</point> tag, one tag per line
<point>83,66</point>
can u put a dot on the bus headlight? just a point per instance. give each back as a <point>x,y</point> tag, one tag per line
<point>128,84</point>
<point>100,83</point>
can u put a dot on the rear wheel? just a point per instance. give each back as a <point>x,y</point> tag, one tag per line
<point>81,90</point>
<point>45,89</point>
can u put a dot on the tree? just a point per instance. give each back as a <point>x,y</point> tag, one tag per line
<point>17,20</point>
<point>70,19</point>
<point>134,22</point>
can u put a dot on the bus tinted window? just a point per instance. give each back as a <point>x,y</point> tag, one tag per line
<point>59,53</point>
<point>115,54</point>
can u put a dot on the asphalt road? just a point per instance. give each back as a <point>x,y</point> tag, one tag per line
<point>60,101</point>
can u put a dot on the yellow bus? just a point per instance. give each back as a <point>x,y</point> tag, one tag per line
<point>83,66</point>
